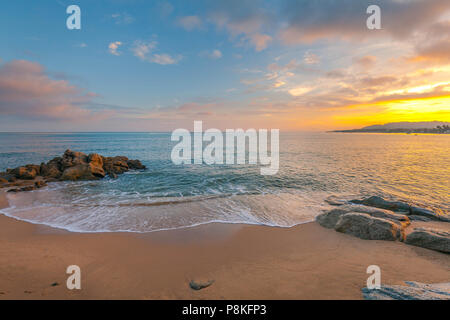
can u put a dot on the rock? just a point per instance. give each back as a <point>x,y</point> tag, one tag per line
<point>51,169</point>
<point>72,159</point>
<point>200,285</point>
<point>8,177</point>
<point>113,175</point>
<point>428,214</point>
<point>39,184</point>
<point>433,239</point>
<point>116,165</point>
<point>72,165</point>
<point>413,291</point>
<point>366,227</point>
<point>135,165</point>
<point>418,218</point>
<point>330,218</point>
<point>24,173</point>
<point>96,165</point>
<point>379,202</point>
<point>78,172</point>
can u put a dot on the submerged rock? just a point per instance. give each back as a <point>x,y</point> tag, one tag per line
<point>433,239</point>
<point>413,291</point>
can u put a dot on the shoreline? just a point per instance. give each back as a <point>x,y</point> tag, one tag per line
<point>306,261</point>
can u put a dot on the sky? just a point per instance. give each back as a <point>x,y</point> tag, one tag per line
<point>138,65</point>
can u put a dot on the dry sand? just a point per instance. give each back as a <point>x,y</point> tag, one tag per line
<point>246,262</point>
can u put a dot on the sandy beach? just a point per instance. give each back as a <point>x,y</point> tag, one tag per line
<point>245,262</point>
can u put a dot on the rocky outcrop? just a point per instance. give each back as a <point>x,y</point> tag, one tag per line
<point>371,219</point>
<point>71,166</point>
<point>365,222</point>
<point>433,239</point>
<point>36,185</point>
<point>402,207</point>
<point>413,291</point>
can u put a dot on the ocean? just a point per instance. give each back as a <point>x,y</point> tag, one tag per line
<point>313,166</point>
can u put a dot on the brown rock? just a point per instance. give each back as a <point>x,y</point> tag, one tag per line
<point>25,173</point>
<point>51,169</point>
<point>73,158</point>
<point>78,172</point>
<point>135,165</point>
<point>96,165</point>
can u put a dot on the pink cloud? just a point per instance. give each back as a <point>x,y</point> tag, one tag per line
<point>26,90</point>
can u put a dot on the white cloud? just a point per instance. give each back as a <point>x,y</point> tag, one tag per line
<point>113,47</point>
<point>122,18</point>
<point>144,51</point>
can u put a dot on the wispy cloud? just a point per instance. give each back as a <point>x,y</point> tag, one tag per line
<point>214,54</point>
<point>113,47</point>
<point>144,51</point>
<point>190,23</point>
<point>122,18</point>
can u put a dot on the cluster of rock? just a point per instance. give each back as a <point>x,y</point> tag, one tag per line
<point>72,166</point>
<point>377,219</point>
<point>413,291</point>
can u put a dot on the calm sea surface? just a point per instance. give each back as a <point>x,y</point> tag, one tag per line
<point>313,166</point>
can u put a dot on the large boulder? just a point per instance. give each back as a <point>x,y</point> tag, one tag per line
<point>96,165</point>
<point>51,169</point>
<point>78,172</point>
<point>115,165</point>
<point>366,227</point>
<point>73,158</point>
<point>330,218</point>
<point>413,291</point>
<point>433,239</point>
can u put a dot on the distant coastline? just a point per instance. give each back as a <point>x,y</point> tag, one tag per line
<point>433,127</point>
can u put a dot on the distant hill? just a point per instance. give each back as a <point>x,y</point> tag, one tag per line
<point>406,127</point>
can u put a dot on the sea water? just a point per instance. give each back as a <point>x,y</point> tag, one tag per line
<point>313,166</point>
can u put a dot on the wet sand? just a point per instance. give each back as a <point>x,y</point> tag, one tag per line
<point>245,262</point>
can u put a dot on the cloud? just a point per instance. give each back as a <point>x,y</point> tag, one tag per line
<point>26,90</point>
<point>365,62</point>
<point>434,47</point>
<point>244,20</point>
<point>310,21</point>
<point>311,58</point>
<point>190,23</point>
<point>214,54</point>
<point>122,18</point>
<point>144,51</point>
<point>113,47</point>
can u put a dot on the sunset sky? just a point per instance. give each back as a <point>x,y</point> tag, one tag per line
<point>139,65</point>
